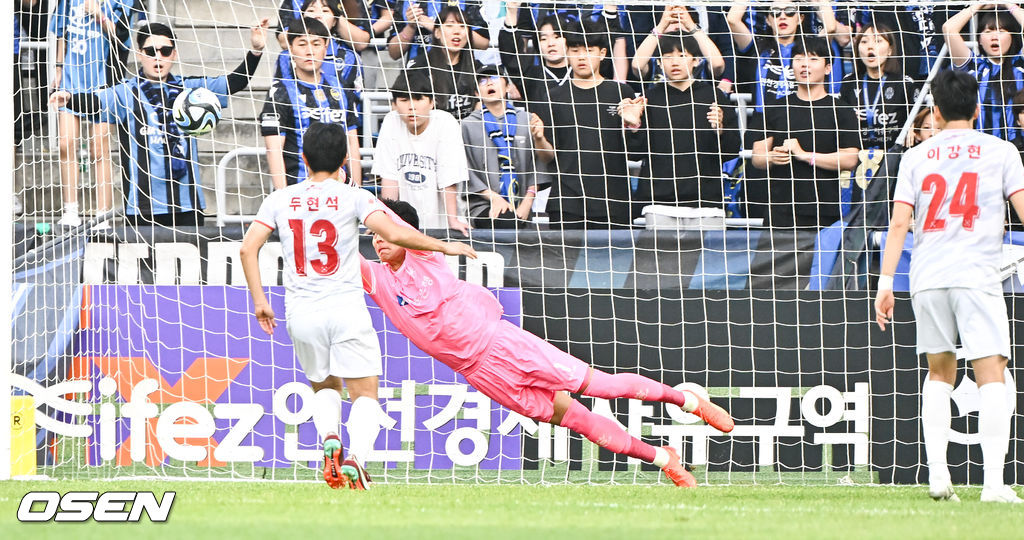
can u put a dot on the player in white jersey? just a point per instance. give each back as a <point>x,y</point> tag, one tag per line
<point>329,325</point>
<point>954,186</point>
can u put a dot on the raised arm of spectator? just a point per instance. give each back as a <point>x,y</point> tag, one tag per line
<point>510,46</point>
<point>828,17</point>
<point>355,163</point>
<point>667,24</point>
<point>842,160</point>
<point>275,159</point>
<point>285,16</point>
<point>401,40</point>
<point>479,35</point>
<point>959,52</point>
<point>351,33</point>
<point>383,23</point>
<point>742,36</point>
<point>1016,11</point>
<point>94,9</point>
<point>240,77</point>
<point>708,48</point>
<point>541,146</point>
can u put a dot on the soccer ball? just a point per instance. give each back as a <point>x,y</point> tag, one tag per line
<point>196,111</point>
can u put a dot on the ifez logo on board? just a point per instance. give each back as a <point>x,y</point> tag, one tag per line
<point>80,506</point>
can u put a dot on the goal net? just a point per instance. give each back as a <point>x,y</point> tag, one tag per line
<point>697,194</point>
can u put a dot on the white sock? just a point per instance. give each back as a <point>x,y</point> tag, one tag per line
<point>363,427</point>
<point>994,428</point>
<point>935,420</point>
<point>71,208</point>
<point>326,412</point>
<point>661,457</point>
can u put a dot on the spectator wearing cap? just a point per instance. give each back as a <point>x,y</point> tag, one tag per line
<point>451,64</point>
<point>499,140</point>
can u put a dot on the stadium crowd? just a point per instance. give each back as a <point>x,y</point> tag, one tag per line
<point>555,111</point>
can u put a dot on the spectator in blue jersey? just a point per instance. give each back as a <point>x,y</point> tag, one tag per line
<point>999,67</point>
<point>499,140</point>
<point>676,19</point>
<point>341,60</point>
<point>313,95</point>
<point>91,55</point>
<point>416,26</point>
<point>763,64</point>
<point>160,163</point>
<point>881,94</point>
<point>803,143</point>
<point>534,71</point>
<point>450,63</point>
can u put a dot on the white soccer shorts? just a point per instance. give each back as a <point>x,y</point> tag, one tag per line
<point>334,338</point>
<point>979,318</point>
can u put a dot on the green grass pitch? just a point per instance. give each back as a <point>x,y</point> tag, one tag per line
<point>308,511</point>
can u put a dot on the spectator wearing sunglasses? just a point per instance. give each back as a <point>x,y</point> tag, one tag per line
<point>160,163</point>
<point>93,39</point>
<point>764,64</point>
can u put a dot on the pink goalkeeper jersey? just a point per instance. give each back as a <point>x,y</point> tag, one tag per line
<point>447,318</point>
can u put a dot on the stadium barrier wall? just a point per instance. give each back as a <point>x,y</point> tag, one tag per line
<point>814,385</point>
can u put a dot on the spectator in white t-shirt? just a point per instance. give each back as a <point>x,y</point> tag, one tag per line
<point>420,157</point>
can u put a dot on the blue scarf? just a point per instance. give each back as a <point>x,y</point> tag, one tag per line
<point>301,121</point>
<point>503,135</point>
<point>161,96</point>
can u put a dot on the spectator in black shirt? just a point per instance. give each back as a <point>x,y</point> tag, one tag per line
<point>881,94</point>
<point>585,128</point>
<point>534,74</point>
<point>451,64</point>
<point>808,138</point>
<point>676,19</point>
<point>688,130</point>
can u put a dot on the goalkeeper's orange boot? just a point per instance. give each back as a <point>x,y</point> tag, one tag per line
<point>675,471</point>
<point>711,414</point>
<point>356,474</point>
<point>332,463</point>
